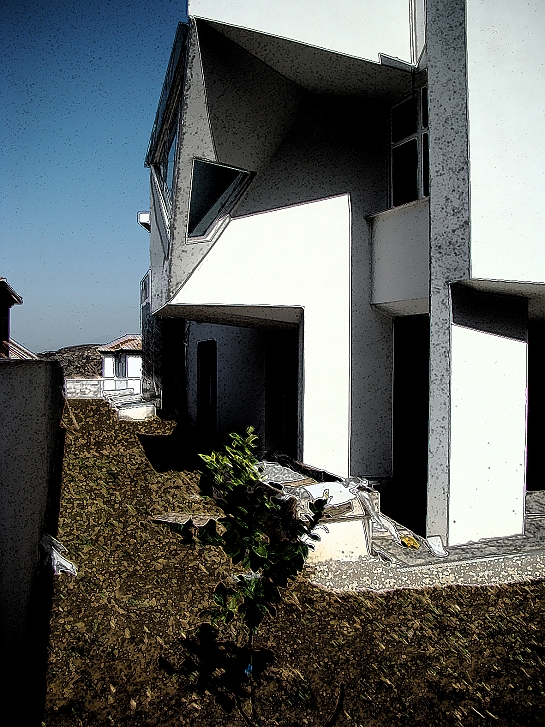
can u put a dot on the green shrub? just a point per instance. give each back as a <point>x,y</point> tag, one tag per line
<point>262,531</point>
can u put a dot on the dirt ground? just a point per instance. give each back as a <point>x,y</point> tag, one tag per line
<point>440,656</point>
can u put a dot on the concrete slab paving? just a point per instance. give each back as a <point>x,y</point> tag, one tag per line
<point>487,562</point>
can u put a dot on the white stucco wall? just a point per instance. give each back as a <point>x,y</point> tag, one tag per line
<point>362,28</point>
<point>296,256</point>
<point>506,76</point>
<point>108,369</point>
<point>488,436</point>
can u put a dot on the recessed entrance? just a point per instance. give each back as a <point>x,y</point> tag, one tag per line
<point>207,393</point>
<point>281,391</point>
<point>406,499</point>
<point>535,453</point>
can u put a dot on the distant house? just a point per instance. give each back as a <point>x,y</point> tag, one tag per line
<point>93,371</point>
<point>122,363</point>
<point>8,298</point>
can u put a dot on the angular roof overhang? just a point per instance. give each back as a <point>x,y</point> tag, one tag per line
<point>316,70</point>
<point>319,70</point>
<point>246,316</point>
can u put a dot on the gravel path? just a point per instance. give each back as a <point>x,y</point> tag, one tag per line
<point>377,576</point>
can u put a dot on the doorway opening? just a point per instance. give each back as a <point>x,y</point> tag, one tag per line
<point>282,392</point>
<point>535,437</point>
<point>207,394</point>
<point>406,500</point>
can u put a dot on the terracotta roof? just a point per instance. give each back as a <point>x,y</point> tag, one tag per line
<point>130,342</point>
<point>20,352</point>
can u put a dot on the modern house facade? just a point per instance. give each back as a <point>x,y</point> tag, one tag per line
<point>348,254</point>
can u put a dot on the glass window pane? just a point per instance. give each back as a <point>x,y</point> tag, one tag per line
<point>405,173</point>
<point>169,171</point>
<point>404,119</point>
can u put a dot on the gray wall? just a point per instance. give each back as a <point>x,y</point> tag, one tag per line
<point>235,110</point>
<point>241,379</point>
<point>30,467</point>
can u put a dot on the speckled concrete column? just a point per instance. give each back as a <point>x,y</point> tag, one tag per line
<point>449,228</point>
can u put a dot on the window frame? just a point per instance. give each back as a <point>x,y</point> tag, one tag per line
<point>421,135</point>
<point>218,222</point>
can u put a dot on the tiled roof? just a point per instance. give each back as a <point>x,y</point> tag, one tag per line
<point>8,293</point>
<point>130,342</point>
<point>20,352</point>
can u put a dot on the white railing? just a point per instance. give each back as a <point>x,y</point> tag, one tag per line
<point>97,388</point>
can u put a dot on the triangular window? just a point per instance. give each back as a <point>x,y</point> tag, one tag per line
<point>214,190</point>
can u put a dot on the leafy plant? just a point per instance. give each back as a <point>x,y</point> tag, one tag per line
<point>262,531</point>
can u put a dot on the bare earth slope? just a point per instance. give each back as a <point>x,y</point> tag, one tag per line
<point>435,656</point>
<point>78,362</point>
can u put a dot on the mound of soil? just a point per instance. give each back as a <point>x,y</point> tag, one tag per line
<point>440,656</point>
<point>78,362</point>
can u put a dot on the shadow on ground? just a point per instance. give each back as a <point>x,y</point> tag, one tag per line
<point>178,451</point>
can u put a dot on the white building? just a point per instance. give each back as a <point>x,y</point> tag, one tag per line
<point>122,364</point>
<point>347,248</point>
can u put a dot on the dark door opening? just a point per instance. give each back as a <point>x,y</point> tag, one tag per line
<point>535,438</point>
<point>281,391</point>
<point>406,498</point>
<point>207,394</point>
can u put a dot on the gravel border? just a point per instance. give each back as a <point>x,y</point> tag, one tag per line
<point>377,576</point>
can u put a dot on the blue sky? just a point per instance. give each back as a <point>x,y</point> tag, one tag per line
<point>81,83</point>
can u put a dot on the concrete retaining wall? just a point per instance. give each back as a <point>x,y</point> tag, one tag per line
<point>31,447</point>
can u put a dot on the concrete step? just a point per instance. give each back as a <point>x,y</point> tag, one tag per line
<point>139,411</point>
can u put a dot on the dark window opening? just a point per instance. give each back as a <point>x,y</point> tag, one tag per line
<point>535,457</point>
<point>405,173</point>
<point>214,190</point>
<point>424,108</point>
<point>281,391</point>
<point>404,120</point>
<point>121,366</point>
<point>207,393</point>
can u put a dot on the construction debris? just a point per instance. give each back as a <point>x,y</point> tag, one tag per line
<point>55,549</point>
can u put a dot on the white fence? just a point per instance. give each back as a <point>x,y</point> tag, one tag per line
<point>96,388</point>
